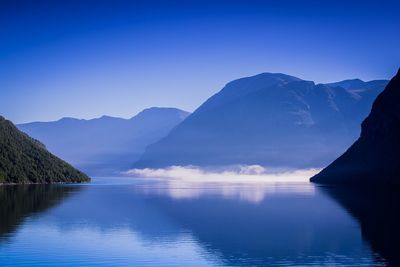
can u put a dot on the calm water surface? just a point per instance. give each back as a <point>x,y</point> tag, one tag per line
<point>142,222</point>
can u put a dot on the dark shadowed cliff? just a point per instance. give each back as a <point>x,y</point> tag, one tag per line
<point>375,156</point>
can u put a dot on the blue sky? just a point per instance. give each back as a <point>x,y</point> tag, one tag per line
<point>88,58</point>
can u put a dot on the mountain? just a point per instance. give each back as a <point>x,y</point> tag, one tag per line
<point>359,85</point>
<point>25,160</point>
<point>375,156</point>
<point>269,119</point>
<point>105,145</point>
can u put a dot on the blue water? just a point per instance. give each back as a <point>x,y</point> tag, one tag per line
<point>142,222</point>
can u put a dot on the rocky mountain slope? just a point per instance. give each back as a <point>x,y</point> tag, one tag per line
<point>375,157</point>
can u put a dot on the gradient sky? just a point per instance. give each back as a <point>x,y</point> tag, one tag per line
<point>88,58</point>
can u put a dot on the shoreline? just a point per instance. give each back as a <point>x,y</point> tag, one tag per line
<point>52,183</point>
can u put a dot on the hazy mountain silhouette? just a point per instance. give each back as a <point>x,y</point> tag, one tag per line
<point>105,145</point>
<point>374,157</point>
<point>268,119</point>
<point>26,160</point>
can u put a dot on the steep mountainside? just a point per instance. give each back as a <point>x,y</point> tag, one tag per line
<point>375,156</point>
<point>268,119</point>
<point>25,160</point>
<point>105,145</point>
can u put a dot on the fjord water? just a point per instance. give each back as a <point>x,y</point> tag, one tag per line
<point>148,222</point>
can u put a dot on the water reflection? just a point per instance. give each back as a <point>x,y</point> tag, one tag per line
<point>20,202</point>
<point>288,227</point>
<point>251,192</point>
<point>377,210</point>
<point>145,222</point>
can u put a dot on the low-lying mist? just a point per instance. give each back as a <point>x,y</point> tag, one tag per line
<point>249,183</point>
<point>233,174</point>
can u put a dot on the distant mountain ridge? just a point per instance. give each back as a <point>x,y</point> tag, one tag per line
<point>24,160</point>
<point>375,157</point>
<point>105,145</point>
<point>353,84</point>
<point>270,119</point>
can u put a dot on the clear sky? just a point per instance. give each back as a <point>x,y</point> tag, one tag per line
<point>89,58</point>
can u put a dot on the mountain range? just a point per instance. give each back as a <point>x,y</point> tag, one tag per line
<point>270,119</point>
<point>106,145</point>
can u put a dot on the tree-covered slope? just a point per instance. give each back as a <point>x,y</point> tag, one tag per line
<point>25,160</point>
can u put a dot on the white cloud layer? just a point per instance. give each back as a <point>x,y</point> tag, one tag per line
<point>249,183</point>
<point>240,174</point>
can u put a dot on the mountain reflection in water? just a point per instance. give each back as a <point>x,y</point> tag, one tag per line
<point>145,222</point>
<point>19,202</point>
<point>377,211</point>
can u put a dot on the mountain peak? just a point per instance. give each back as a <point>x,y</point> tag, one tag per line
<point>278,75</point>
<point>347,84</point>
<point>158,109</point>
<point>266,77</point>
<point>107,117</point>
<point>67,119</point>
<point>356,80</point>
<point>161,111</point>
